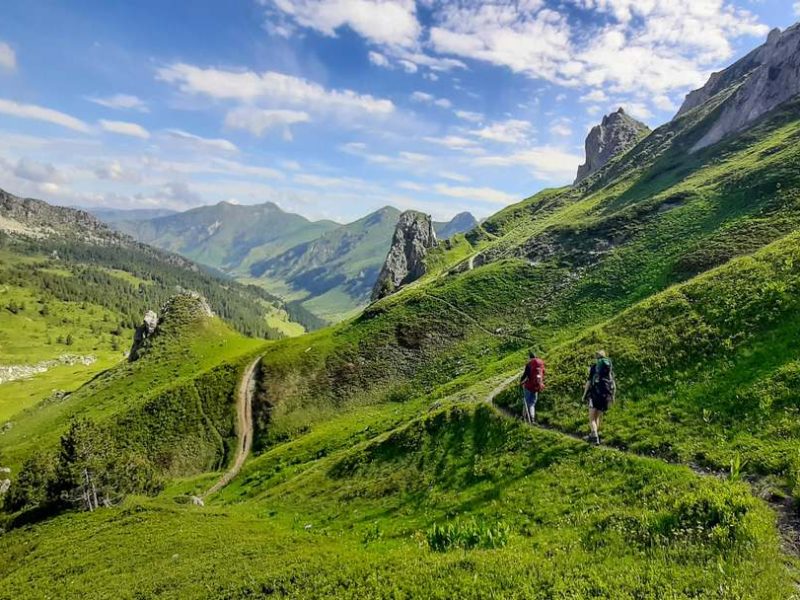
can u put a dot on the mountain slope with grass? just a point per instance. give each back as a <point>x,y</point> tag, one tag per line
<point>322,267</point>
<point>227,236</point>
<point>380,468</point>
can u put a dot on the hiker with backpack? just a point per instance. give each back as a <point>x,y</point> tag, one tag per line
<point>532,382</point>
<point>600,391</point>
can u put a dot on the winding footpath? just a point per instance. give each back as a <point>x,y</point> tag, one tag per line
<point>788,520</point>
<point>244,411</point>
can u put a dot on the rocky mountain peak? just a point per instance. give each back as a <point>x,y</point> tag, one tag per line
<point>764,79</point>
<point>413,237</point>
<point>617,133</point>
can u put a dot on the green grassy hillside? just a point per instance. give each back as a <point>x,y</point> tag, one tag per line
<point>169,413</point>
<point>462,502</point>
<point>380,469</point>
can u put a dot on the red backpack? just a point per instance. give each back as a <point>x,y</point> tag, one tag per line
<point>535,382</point>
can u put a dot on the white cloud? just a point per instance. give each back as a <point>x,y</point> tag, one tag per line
<point>665,103</point>
<point>201,143</point>
<point>425,98</point>
<point>561,127</point>
<point>121,102</point>
<point>323,181</point>
<point>271,88</point>
<point>478,194</point>
<point>545,162</point>
<point>408,66</point>
<point>411,186</point>
<point>641,47</point>
<point>797,8</point>
<point>116,171</point>
<point>595,96</point>
<point>384,22</point>
<point>124,128</point>
<point>31,170</point>
<point>258,121</point>
<point>454,176</point>
<point>454,142</point>
<point>8,58</point>
<point>466,115</point>
<point>378,59</point>
<point>40,113</point>
<point>511,131</point>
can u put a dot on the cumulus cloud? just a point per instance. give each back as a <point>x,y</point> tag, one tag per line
<point>511,131</point>
<point>35,171</point>
<point>797,8</point>
<point>547,163</point>
<point>124,128</point>
<point>645,48</point>
<point>121,102</point>
<point>40,113</point>
<point>389,22</point>
<point>258,121</point>
<point>271,88</point>
<point>8,58</point>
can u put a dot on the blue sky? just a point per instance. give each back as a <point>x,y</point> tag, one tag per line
<point>334,108</point>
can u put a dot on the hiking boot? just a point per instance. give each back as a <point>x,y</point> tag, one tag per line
<point>593,439</point>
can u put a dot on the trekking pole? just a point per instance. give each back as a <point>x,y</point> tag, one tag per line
<point>526,415</point>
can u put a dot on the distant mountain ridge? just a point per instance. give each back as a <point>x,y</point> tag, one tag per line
<point>327,267</point>
<point>227,236</point>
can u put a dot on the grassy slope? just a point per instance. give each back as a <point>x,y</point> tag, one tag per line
<point>706,369</point>
<point>333,456</point>
<point>358,523</point>
<point>187,358</point>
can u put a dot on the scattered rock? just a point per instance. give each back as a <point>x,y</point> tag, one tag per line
<point>4,485</point>
<point>615,135</point>
<point>413,237</point>
<point>197,501</point>
<point>15,372</point>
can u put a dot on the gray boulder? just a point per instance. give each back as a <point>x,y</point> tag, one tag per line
<point>413,237</point>
<point>765,78</point>
<point>616,134</point>
<point>142,333</point>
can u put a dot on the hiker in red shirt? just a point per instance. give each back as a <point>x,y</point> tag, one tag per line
<point>532,382</point>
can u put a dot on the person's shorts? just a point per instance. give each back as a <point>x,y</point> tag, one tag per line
<point>530,398</point>
<point>599,402</point>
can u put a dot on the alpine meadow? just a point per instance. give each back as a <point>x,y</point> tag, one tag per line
<point>280,357</point>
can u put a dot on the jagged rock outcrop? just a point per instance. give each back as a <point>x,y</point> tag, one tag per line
<point>184,307</point>
<point>143,332</point>
<point>413,237</point>
<point>765,78</point>
<point>616,134</point>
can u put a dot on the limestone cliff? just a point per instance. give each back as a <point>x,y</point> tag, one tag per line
<point>616,134</point>
<point>413,237</point>
<point>765,78</point>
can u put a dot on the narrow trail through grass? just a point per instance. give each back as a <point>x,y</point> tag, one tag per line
<point>785,509</point>
<point>244,411</point>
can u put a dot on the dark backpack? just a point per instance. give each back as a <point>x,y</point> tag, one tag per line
<point>603,379</point>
